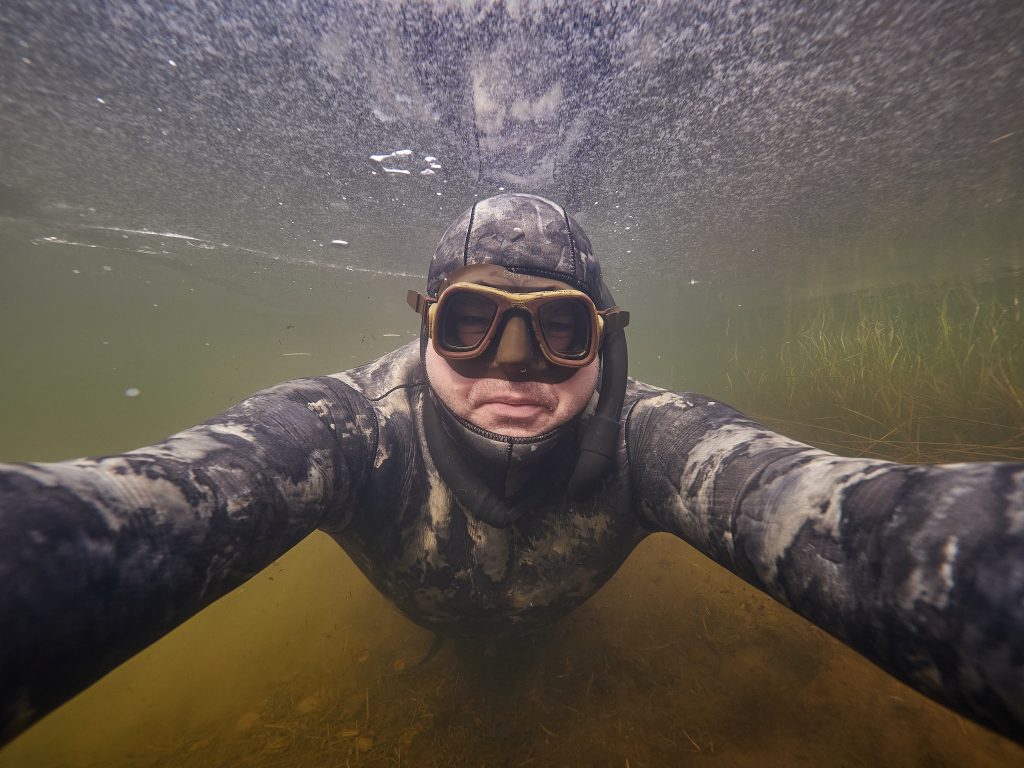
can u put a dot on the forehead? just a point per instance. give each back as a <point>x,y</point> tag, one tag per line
<point>497,276</point>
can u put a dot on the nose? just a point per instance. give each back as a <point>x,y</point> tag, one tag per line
<point>517,350</point>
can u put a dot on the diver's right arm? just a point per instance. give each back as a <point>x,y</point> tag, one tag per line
<point>101,557</point>
<point>920,568</point>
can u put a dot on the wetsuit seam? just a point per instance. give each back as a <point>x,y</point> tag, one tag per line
<point>393,389</point>
<point>626,424</point>
<point>572,242</point>
<point>376,442</point>
<point>652,525</point>
<point>365,484</point>
<point>469,231</point>
<point>376,425</point>
<point>554,275</point>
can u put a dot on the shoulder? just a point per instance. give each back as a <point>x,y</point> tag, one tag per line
<point>398,371</point>
<point>357,397</point>
<point>390,387</point>
<point>646,397</point>
<point>659,415</point>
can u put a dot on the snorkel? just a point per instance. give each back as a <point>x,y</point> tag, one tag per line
<point>527,235</point>
<point>597,449</point>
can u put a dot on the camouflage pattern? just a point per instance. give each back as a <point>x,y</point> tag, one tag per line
<point>452,573</point>
<point>524,233</point>
<point>101,557</point>
<point>919,568</point>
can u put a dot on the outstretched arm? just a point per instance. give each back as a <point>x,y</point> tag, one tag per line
<point>101,557</point>
<point>919,568</point>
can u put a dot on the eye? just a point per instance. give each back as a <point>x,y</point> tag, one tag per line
<point>560,322</point>
<point>471,324</point>
<point>566,327</point>
<point>465,321</point>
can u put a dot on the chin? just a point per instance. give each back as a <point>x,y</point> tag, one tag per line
<point>510,428</point>
<point>509,431</point>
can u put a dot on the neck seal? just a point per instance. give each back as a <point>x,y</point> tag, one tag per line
<point>495,478</point>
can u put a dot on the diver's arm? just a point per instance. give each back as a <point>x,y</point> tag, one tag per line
<point>919,568</point>
<point>101,557</point>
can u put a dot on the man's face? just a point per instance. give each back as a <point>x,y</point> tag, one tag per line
<point>511,389</point>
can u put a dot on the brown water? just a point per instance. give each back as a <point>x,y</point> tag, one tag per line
<point>674,662</point>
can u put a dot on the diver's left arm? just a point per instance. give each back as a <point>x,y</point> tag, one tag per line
<point>919,568</point>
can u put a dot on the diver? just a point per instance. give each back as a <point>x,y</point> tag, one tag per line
<point>491,477</point>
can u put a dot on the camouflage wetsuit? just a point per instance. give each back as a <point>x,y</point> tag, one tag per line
<point>920,568</point>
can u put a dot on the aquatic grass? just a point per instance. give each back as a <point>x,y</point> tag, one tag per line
<point>915,373</point>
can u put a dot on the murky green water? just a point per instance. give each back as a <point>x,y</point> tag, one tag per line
<point>812,211</point>
<point>675,662</point>
<point>194,330</point>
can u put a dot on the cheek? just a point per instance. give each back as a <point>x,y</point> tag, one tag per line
<point>449,385</point>
<point>576,391</point>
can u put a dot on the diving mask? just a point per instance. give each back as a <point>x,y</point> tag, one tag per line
<point>464,320</point>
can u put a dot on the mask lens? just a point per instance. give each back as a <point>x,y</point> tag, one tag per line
<point>465,320</point>
<point>566,326</point>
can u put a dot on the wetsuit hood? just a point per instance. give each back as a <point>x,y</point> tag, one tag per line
<point>531,235</point>
<point>523,233</point>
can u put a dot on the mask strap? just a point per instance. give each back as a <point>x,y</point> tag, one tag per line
<point>418,302</point>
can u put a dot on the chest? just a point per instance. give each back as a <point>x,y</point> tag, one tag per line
<point>446,570</point>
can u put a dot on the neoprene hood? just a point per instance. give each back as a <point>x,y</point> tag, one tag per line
<point>532,235</point>
<point>523,233</point>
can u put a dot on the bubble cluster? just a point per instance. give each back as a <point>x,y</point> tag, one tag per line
<point>402,162</point>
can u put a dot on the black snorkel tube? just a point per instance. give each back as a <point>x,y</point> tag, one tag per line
<point>601,437</point>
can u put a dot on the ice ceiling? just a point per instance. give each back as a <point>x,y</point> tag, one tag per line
<point>690,133</point>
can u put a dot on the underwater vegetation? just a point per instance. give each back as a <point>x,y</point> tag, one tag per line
<point>913,373</point>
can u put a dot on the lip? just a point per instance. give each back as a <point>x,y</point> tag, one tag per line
<point>514,408</point>
<point>513,401</point>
